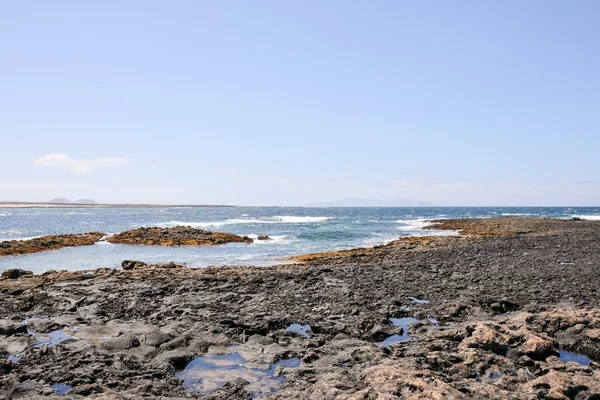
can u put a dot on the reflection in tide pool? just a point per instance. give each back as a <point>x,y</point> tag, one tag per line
<point>61,388</point>
<point>418,301</point>
<point>403,323</point>
<point>205,374</point>
<point>52,339</point>
<point>303,330</point>
<point>568,356</point>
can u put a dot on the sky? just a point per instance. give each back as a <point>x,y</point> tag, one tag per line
<point>288,103</point>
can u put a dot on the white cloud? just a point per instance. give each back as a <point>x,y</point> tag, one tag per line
<point>80,166</point>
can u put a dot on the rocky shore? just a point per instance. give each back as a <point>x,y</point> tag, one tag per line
<point>497,313</point>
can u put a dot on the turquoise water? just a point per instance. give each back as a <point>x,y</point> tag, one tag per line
<point>295,230</point>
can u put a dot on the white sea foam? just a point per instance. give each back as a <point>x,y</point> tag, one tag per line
<point>103,242</point>
<point>240,221</point>
<point>517,214</point>
<point>410,225</point>
<point>416,227</point>
<point>434,232</point>
<point>588,217</point>
<point>379,239</point>
<point>212,224</point>
<point>293,219</point>
<point>275,239</point>
<point>104,238</point>
<point>4,214</point>
<point>19,238</point>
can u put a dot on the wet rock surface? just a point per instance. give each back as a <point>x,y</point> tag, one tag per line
<point>177,236</point>
<point>132,264</point>
<point>506,305</point>
<point>15,273</point>
<point>45,243</point>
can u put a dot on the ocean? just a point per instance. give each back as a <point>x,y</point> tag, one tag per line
<point>294,230</point>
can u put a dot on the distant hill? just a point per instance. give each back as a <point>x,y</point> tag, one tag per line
<point>86,201</point>
<point>355,202</point>
<point>60,200</point>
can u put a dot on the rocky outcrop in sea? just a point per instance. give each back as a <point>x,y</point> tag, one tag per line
<point>176,236</point>
<point>45,243</point>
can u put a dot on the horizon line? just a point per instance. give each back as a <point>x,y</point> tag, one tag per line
<point>40,204</point>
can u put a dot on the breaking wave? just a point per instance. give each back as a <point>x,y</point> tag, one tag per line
<point>588,217</point>
<point>286,219</point>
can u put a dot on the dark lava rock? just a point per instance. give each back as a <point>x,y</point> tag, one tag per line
<point>174,344</point>
<point>15,273</point>
<point>44,243</point>
<point>10,328</point>
<point>124,342</point>
<point>177,236</point>
<point>156,338</point>
<point>5,366</point>
<point>132,264</point>
<point>43,325</point>
<point>380,331</point>
<point>483,348</point>
<point>264,237</point>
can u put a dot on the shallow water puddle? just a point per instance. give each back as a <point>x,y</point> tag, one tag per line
<point>205,374</point>
<point>419,301</point>
<point>52,339</point>
<point>403,323</point>
<point>303,330</point>
<point>61,388</point>
<point>393,340</point>
<point>568,356</point>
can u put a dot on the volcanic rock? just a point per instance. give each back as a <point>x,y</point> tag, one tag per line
<point>44,243</point>
<point>15,273</point>
<point>177,236</point>
<point>132,264</point>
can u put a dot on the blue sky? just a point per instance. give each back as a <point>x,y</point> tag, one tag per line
<point>270,102</point>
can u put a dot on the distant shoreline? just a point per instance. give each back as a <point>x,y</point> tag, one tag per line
<point>23,204</point>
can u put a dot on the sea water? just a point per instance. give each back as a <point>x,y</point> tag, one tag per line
<point>294,230</point>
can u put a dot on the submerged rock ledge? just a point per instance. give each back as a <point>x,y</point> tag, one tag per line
<point>176,236</point>
<point>506,304</point>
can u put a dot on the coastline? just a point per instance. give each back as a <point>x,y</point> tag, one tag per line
<point>508,296</point>
<point>18,204</point>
